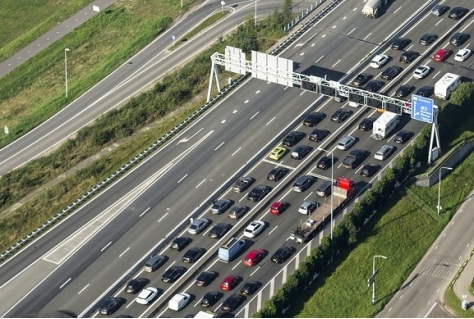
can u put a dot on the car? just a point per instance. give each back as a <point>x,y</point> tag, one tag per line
<point>233,302</point>
<point>391,72</point>
<point>242,184</point>
<point>253,257</point>
<point>193,254</point>
<point>379,61</point>
<point>462,55</point>
<point>180,243</point>
<point>313,118</point>
<point>325,162</point>
<point>366,124</point>
<point>354,159</point>
<point>340,98</point>
<point>110,305</point>
<point>442,54</point>
<point>293,138</point>
<point>198,225</point>
<point>425,91</point>
<point>324,190</point>
<point>457,13</point>
<point>277,173</point>
<point>147,295</point>
<point>421,72</point>
<point>210,298</point>
<point>221,205</point>
<point>346,142</point>
<point>404,90</point>
<point>173,273</point>
<point>135,285</point>
<point>258,193</point>
<point>254,229</point>
<point>318,135</point>
<point>205,278</point>
<point>277,153</point>
<point>229,282</point>
<point>301,151</point>
<point>439,10</point>
<point>179,301</point>
<point>428,38</point>
<point>400,43</point>
<point>369,170</point>
<point>459,38</point>
<point>250,287</point>
<point>408,56</point>
<point>238,211</point>
<point>154,262</point>
<point>219,230</point>
<point>282,254</point>
<point>361,79</point>
<point>278,207</point>
<point>303,182</point>
<point>341,115</point>
<point>307,207</point>
<point>374,85</point>
<point>384,152</point>
<point>403,136</point>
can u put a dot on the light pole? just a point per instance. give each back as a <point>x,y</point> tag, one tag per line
<point>66,50</point>
<point>371,280</point>
<point>255,16</point>
<point>332,180</point>
<point>439,186</point>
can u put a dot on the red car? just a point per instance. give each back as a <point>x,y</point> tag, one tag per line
<point>442,54</point>
<point>229,283</point>
<point>253,257</point>
<point>278,207</point>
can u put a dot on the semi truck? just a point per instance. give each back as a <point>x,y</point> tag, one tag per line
<point>343,192</point>
<point>385,124</point>
<point>446,85</point>
<point>230,249</point>
<point>372,8</point>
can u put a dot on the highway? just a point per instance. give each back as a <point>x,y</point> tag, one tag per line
<point>180,184</point>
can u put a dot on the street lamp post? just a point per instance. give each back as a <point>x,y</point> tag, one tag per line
<point>332,181</point>
<point>255,16</point>
<point>372,278</point>
<point>439,186</point>
<point>66,50</point>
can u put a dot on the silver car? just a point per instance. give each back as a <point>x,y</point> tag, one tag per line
<point>346,142</point>
<point>198,226</point>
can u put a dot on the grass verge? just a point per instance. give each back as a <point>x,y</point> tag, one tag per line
<point>454,304</point>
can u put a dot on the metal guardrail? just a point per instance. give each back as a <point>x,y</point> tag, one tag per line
<point>302,15</point>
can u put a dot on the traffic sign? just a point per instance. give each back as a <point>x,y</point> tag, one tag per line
<point>422,108</point>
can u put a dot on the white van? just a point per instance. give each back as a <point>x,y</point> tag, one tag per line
<point>179,301</point>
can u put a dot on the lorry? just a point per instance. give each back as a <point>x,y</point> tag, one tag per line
<point>446,85</point>
<point>372,8</point>
<point>205,314</point>
<point>343,192</point>
<point>385,124</point>
<point>230,249</point>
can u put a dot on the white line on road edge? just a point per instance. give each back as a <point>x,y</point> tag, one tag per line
<point>61,287</point>
<point>146,210</point>
<point>159,220</point>
<point>105,247</point>
<point>83,289</point>
<point>124,252</point>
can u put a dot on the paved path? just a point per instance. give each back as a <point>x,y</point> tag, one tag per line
<point>463,282</point>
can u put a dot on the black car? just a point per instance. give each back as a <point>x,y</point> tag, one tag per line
<point>219,230</point>
<point>238,211</point>
<point>301,151</point>
<point>367,124</point>
<point>313,118</point>
<point>318,135</point>
<point>340,115</point>
<point>361,79</point>
<point>428,38</point>
<point>135,285</point>
<point>459,38</point>
<point>110,305</point>
<point>250,287</point>
<point>205,278</point>
<point>154,262</point>
<point>374,86</point>
<point>258,193</point>
<point>277,173</point>
<point>391,72</point>
<point>325,162</point>
<point>408,56</point>
<point>173,273</point>
<point>457,13</point>
<point>242,184</point>
<point>211,298</point>
<point>369,169</point>
<point>293,137</point>
<point>439,10</point>
<point>180,243</point>
<point>404,90</point>
<point>221,205</point>
<point>233,302</point>
<point>425,91</point>
<point>354,159</point>
<point>400,43</point>
<point>282,254</point>
<point>302,183</point>
<point>403,136</point>
<point>193,254</point>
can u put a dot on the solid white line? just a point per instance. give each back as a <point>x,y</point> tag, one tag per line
<point>124,252</point>
<point>322,56</point>
<point>219,146</point>
<point>270,121</point>
<point>200,183</point>
<point>254,115</point>
<point>83,289</point>
<point>254,271</point>
<point>159,220</point>
<point>105,247</point>
<point>182,178</point>
<point>146,210</point>
<point>236,151</point>
<point>61,287</point>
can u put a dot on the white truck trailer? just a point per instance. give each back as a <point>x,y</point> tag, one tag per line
<point>372,8</point>
<point>385,124</point>
<point>446,85</point>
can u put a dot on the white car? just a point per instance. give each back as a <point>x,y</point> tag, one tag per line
<point>346,142</point>
<point>421,72</point>
<point>254,229</point>
<point>379,61</point>
<point>462,55</point>
<point>307,207</point>
<point>147,295</point>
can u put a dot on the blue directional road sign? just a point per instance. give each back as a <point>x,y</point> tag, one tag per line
<point>422,108</point>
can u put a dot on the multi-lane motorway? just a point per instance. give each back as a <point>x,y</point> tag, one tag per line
<point>184,175</point>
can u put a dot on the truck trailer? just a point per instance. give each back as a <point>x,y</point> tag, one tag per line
<point>372,8</point>
<point>446,85</point>
<point>385,124</point>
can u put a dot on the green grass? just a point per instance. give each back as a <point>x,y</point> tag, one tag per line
<point>454,304</point>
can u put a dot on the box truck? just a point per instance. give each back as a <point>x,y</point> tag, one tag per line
<point>385,124</point>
